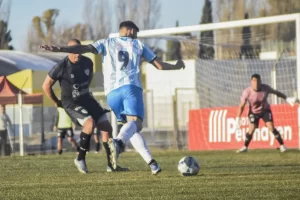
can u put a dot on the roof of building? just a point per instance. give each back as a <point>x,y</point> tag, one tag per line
<point>24,60</point>
<point>56,57</point>
<point>9,92</point>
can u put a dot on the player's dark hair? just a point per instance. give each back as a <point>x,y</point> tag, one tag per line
<point>257,76</point>
<point>129,24</point>
<point>75,40</point>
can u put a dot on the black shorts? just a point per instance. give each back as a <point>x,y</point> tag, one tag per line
<point>265,115</point>
<point>82,109</point>
<point>62,132</point>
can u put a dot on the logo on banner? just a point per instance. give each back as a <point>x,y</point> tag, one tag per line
<point>222,128</point>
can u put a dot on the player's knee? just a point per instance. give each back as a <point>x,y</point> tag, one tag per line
<point>139,125</point>
<point>271,128</point>
<point>88,126</point>
<point>70,139</point>
<point>105,136</point>
<point>251,131</point>
<point>105,126</point>
<point>109,128</point>
<point>138,122</point>
<point>275,132</point>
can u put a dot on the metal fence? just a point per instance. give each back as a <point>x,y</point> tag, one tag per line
<point>218,83</point>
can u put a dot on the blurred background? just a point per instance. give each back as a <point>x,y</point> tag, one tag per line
<point>218,62</point>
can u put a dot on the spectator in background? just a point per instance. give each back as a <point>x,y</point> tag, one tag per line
<point>5,128</point>
<point>63,126</point>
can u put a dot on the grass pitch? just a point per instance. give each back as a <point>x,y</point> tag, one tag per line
<point>260,174</point>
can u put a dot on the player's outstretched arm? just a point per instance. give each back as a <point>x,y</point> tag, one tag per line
<point>290,100</point>
<point>279,94</point>
<point>77,49</point>
<point>166,66</point>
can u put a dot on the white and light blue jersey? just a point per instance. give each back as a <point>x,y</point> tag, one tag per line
<point>121,58</point>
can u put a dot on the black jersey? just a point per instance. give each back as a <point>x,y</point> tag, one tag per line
<point>74,78</point>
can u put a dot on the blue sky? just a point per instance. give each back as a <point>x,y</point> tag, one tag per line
<point>188,12</point>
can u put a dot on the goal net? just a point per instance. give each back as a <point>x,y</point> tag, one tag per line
<point>196,107</point>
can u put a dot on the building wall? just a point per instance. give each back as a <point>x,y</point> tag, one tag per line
<point>167,86</point>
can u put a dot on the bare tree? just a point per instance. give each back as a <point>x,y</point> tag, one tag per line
<point>45,30</point>
<point>227,10</point>
<point>127,11</point>
<point>97,17</point>
<point>5,10</point>
<point>33,40</point>
<point>283,31</point>
<point>44,25</point>
<point>42,30</point>
<point>5,36</point>
<point>149,14</point>
<point>123,9</point>
<point>64,33</point>
<point>145,13</point>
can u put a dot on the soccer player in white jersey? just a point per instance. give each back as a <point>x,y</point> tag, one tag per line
<point>121,69</point>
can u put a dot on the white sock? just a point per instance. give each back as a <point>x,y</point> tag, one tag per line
<point>127,131</point>
<point>140,145</point>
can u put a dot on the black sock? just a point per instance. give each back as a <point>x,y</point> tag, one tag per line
<point>105,145</point>
<point>98,146</point>
<point>59,151</point>
<point>121,145</point>
<point>89,139</point>
<point>248,139</point>
<point>151,162</point>
<point>84,145</point>
<point>278,136</point>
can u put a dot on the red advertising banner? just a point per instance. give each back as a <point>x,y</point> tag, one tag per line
<point>214,129</point>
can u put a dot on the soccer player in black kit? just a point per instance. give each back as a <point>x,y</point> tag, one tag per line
<point>74,74</point>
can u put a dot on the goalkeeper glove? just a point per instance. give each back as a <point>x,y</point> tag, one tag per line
<point>291,100</point>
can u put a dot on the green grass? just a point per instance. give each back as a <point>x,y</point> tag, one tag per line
<point>263,174</point>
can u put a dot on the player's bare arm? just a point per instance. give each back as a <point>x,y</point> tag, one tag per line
<point>166,66</point>
<point>47,87</point>
<point>76,49</point>
<point>241,108</point>
<point>290,100</point>
<point>279,94</point>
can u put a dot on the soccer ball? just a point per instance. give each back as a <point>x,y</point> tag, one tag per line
<point>188,166</point>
